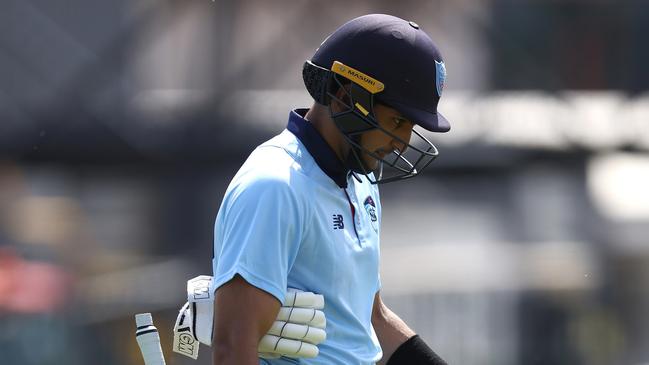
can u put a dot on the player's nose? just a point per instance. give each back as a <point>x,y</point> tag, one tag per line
<point>401,149</point>
<point>400,144</point>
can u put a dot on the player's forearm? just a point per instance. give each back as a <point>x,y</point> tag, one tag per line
<point>226,353</point>
<point>242,315</point>
<point>235,342</point>
<point>391,331</point>
<point>401,346</point>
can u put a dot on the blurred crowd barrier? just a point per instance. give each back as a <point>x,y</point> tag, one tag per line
<point>122,122</point>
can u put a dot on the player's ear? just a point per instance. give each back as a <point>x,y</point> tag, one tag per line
<point>342,94</point>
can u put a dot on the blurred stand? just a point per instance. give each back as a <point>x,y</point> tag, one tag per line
<point>122,122</point>
<point>35,284</point>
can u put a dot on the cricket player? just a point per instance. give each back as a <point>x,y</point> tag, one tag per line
<point>304,210</point>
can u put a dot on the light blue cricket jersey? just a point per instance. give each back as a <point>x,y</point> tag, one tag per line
<point>294,217</point>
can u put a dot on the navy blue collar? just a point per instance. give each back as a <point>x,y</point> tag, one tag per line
<point>322,153</point>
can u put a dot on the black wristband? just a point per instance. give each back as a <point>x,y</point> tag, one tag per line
<point>415,352</point>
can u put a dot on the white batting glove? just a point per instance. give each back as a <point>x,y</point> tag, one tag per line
<point>296,332</point>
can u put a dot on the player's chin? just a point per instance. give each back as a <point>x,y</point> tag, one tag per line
<point>372,164</point>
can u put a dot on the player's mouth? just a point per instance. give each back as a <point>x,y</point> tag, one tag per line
<point>381,153</point>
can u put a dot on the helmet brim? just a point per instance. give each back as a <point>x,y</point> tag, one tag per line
<point>434,122</point>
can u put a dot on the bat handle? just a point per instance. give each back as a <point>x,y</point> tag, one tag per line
<point>148,339</point>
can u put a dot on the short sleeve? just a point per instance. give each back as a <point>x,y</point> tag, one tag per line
<point>257,235</point>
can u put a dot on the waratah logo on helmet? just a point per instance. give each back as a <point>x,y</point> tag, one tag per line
<point>440,77</point>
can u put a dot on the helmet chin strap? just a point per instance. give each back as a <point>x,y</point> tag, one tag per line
<point>354,162</point>
<point>352,125</point>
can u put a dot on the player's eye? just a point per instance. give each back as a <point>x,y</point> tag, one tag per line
<point>399,121</point>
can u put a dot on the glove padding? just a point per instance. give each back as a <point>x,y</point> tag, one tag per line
<point>298,329</point>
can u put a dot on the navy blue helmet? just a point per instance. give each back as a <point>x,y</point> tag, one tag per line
<point>384,59</point>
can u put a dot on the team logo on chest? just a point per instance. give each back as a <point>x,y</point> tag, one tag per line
<point>370,208</point>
